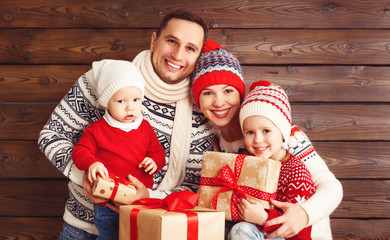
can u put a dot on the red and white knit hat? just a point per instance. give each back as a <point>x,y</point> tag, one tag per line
<point>270,101</point>
<point>216,66</point>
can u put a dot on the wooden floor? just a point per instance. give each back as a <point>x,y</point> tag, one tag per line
<point>332,58</point>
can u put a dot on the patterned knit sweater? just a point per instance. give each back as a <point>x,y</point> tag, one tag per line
<point>78,109</point>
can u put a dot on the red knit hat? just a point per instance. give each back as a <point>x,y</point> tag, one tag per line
<point>216,66</point>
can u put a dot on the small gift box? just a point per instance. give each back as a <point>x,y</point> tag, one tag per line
<point>226,177</point>
<point>174,218</point>
<point>115,189</point>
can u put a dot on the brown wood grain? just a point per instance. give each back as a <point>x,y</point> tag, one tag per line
<point>342,122</point>
<point>50,83</point>
<point>217,13</point>
<point>360,229</point>
<point>250,46</point>
<point>30,228</point>
<point>364,199</point>
<point>23,159</point>
<point>32,83</point>
<point>49,228</point>
<point>33,198</point>
<point>358,160</point>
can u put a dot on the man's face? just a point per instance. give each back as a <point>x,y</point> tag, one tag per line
<point>175,52</point>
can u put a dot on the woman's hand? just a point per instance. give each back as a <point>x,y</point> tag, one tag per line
<point>293,220</point>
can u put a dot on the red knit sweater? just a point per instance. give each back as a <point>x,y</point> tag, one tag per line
<point>295,186</point>
<point>119,151</point>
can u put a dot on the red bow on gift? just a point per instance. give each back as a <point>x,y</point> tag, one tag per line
<point>176,202</point>
<point>227,179</point>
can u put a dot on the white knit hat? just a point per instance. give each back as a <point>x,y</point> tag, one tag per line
<point>112,75</point>
<point>270,101</point>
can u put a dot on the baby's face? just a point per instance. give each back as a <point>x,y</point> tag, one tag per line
<point>262,137</point>
<point>126,104</point>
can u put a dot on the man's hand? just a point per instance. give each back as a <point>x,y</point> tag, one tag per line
<point>142,192</point>
<point>293,220</point>
<point>87,189</point>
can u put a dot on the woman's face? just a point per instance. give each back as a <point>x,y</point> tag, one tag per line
<point>220,104</point>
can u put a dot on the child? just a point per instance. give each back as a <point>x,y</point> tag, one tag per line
<point>265,119</point>
<point>122,142</point>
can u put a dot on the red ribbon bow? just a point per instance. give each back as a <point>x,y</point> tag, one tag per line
<point>227,179</point>
<point>176,202</point>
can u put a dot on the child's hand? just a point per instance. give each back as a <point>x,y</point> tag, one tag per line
<point>252,211</point>
<point>97,168</point>
<point>149,165</point>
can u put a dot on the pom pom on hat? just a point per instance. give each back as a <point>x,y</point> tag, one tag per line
<point>270,101</point>
<point>216,66</point>
<point>112,75</point>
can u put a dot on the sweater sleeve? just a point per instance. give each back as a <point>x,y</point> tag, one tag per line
<point>85,150</point>
<point>156,151</point>
<point>329,191</point>
<point>66,125</point>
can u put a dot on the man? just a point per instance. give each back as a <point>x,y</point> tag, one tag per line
<point>179,125</point>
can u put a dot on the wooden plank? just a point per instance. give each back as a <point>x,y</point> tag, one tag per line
<point>46,198</point>
<point>359,160</point>
<point>360,229</point>
<point>38,83</point>
<point>364,199</point>
<point>49,228</point>
<point>30,228</point>
<point>342,122</point>
<point>326,83</point>
<point>217,13</point>
<point>33,198</point>
<point>363,83</point>
<point>347,160</point>
<point>23,159</point>
<point>251,46</point>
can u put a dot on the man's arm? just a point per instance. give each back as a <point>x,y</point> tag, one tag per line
<point>66,125</point>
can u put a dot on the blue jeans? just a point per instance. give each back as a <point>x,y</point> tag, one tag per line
<point>107,222</point>
<point>72,233</point>
<point>247,231</point>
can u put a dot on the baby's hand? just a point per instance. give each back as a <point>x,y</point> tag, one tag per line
<point>97,168</point>
<point>149,165</point>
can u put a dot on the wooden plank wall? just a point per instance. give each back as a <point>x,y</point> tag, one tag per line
<point>332,57</point>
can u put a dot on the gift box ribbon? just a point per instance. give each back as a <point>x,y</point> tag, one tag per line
<point>227,179</point>
<point>176,202</point>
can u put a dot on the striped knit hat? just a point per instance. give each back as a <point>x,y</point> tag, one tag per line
<point>216,66</point>
<point>270,101</point>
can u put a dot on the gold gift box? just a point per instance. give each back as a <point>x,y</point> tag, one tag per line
<point>258,173</point>
<point>161,224</point>
<point>103,187</point>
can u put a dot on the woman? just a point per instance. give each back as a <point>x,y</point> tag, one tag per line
<point>218,89</point>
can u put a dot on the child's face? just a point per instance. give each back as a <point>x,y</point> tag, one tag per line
<point>262,137</point>
<point>125,105</point>
<point>220,104</point>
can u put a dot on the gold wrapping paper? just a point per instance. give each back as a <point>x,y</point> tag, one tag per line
<point>160,224</point>
<point>258,173</point>
<point>103,187</point>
